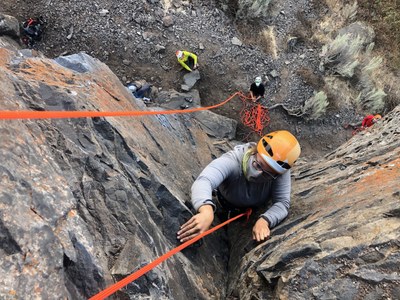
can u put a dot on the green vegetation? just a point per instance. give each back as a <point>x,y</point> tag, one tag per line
<point>341,54</point>
<point>385,18</point>
<point>372,101</point>
<point>312,109</point>
<point>316,106</point>
<point>371,98</point>
<point>373,64</point>
<point>350,11</point>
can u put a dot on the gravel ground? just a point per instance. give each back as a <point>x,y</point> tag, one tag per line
<point>138,39</point>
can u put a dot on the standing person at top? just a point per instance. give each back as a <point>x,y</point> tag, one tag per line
<point>187,59</point>
<point>370,120</point>
<point>249,176</point>
<point>257,89</point>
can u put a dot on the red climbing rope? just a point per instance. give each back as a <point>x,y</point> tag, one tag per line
<point>254,115</point>
<point>120,284</point>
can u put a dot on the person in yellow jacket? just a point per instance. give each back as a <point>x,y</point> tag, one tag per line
<point>187,59</point>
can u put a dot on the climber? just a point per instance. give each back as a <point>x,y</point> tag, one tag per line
<point>141,89</point>
<point>249,176</point>
<point>187,59</point>
<point>370,120</point>
<point>257,89</point>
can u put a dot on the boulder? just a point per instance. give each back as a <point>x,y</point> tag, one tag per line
<point>190,80</point>
<point>9,26</point>
<point>216,125</point>
<point>88,201</point>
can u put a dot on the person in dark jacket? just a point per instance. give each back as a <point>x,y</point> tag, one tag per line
<point>257,89</point>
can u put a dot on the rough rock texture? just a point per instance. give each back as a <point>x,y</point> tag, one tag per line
<point>190,80</point>
<point>9,26</point>
<point>84,202</point>
<point>342,238</point>
<point>138,40</point>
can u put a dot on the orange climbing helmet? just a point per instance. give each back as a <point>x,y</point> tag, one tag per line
<point>377,117</point>
<point>179,54</point>
<point>279,149</point>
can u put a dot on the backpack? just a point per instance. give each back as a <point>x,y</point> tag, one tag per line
<point>32,30</point>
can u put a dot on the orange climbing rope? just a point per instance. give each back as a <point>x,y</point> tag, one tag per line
<point>91,114</point>
<point>120,284</point>
<point>254,115</point>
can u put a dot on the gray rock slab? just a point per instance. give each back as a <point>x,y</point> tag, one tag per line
<point>190,79</point>
<point>185,88</point>
<point>375,276</point>
<point>81,62</point>
<point>81,198</point>
<point>9,26</point>
<point>174,100</point>
<point>216,125</point>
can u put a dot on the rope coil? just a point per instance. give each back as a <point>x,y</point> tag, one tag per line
<point>254,115</point>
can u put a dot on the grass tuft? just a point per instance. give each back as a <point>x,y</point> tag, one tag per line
<point>341,54</point>
<point>316,106</point>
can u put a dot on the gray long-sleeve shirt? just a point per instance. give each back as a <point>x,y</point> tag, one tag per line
<point>226,174</point>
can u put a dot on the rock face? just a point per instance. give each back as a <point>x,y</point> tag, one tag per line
<point>190,80</point>
<point>85,202</point>
<point>341,240</point>
<point>9,26</point>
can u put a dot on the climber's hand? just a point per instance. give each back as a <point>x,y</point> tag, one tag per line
<point>261,230</point>
<point>199,223</point>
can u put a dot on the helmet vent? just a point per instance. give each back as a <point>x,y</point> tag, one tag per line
<point>268,148</point>
<point>283,164</point>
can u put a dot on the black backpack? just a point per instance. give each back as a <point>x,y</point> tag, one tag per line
<point>32,30</point>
